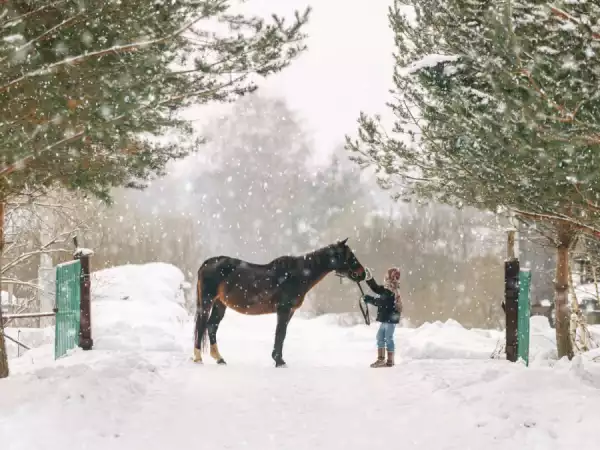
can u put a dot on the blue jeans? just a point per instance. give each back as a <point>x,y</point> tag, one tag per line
<point>385,336</point>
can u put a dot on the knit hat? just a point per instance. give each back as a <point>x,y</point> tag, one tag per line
<point>391,281</point>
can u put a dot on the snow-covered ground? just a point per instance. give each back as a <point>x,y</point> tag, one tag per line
<point>138,388</point>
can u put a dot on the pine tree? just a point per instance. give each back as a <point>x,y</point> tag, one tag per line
<point>496,106</point>
<point>84,85</point>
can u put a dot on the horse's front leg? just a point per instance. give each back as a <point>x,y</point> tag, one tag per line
<point>284,314</point>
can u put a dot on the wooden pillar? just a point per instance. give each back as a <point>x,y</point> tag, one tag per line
<point>85,324</point>
<point>511,306</point>
<point>510,244</point>
<point>511,292</point>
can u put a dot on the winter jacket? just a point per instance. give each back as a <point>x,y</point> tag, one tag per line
<point>387,311</point>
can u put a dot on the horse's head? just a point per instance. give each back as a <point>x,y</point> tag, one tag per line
<point>344,262</point>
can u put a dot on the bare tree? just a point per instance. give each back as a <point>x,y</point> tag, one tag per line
<point>38,230</point>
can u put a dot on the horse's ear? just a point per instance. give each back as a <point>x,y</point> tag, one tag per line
<point>344,241</point>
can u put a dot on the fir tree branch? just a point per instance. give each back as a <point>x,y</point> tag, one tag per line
<point>566,16</point>
<point>99,53</point>
<point>593,206</point>
<point>568,117</point>
<point>23,162</point>
<point>560,219</point>
<point>46,33</point>
<point>30,13</point>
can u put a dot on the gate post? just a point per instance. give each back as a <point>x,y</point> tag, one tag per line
<point>510,306</point>
<point>85,324</point>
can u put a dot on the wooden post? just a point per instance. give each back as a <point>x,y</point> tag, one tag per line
<point>511,306</point>
<point>511,294</point>
<point>85,324</point>
<point>510,244</point>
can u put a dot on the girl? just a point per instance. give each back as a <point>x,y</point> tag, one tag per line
<point>389,308</point>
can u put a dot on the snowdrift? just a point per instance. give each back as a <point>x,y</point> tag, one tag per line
<point>31,337</point>
<point>138,307</point>
<point>135,308</point>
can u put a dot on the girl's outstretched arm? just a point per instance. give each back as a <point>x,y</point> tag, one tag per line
<point>377,288</point>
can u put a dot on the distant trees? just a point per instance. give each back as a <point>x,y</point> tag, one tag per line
<point>260,198</point>
<point>449,261</point>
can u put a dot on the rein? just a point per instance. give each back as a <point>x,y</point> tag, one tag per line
<point>364,310</point>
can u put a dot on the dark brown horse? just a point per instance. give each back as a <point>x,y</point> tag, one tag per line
<point>278,287</point>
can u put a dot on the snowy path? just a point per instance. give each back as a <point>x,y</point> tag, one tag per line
<point>327,398</point>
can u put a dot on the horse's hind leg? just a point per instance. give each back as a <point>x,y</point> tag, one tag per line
<point>206,295</point>
<point>217,314</point>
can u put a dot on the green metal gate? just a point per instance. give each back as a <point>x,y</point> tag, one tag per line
<point>524,316</point>
<point>68,304</point>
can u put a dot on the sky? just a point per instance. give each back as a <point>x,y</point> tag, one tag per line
<point>347,68</point>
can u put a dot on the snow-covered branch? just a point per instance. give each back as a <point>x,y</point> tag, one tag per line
<point>25,256</point>
<point>116,49</point>
<point>46,33</point>
<point>559,218</point>
<point>22,163</point>
<point>30,13</point>
<point>568,17</point>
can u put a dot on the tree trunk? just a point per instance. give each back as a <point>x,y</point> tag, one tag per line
<point>46,276</point>
<point>3,352</point>
<point>561,299</point>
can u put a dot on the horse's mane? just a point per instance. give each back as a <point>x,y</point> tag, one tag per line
<point>292,261</point>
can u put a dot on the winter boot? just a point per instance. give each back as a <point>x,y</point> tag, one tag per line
<point>390,359</point>
<point>380,358</point>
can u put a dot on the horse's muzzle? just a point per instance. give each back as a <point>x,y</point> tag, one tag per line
<point>358,274</point>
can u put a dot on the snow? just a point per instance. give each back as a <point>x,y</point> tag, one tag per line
<point>81,251</point>
<point>426,62</point>
<point>138,306</point>
<point>31,337</point>
<point>139,389</point>
<point>6,298</point>
<point>585,291</point>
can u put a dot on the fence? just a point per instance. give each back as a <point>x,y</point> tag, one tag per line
<point>72,311</point>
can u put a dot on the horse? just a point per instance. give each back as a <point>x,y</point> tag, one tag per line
<point>278,287</point>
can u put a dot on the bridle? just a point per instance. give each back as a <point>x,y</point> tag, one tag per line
<point>353,274</point>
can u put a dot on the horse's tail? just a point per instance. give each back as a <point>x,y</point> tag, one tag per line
<point>210,275</point>
<point>200,342</point>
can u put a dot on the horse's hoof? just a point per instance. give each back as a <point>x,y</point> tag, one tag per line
<point>280,364</point>
<point>197,358</point>
<point>221,362</point>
